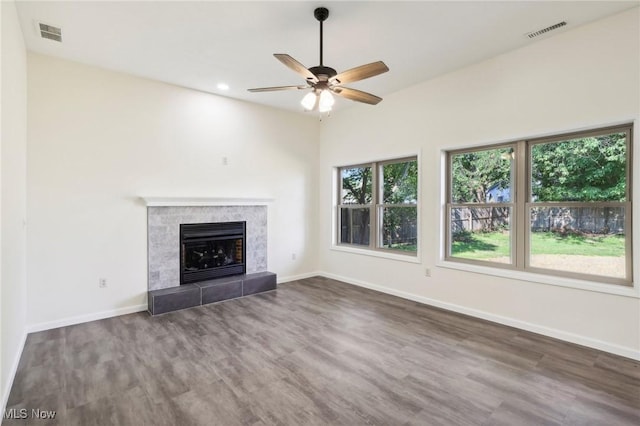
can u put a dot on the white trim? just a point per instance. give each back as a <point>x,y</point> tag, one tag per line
<point>374,251</point>
<point>297,277</point>
<point>618,290</point>
<point>12,373</point>
<point>384,159</point>
<point>523,325</point>
<point>549,132</point>
<point>42,326</point>
<point>204,201</point>
<point>378,253</point>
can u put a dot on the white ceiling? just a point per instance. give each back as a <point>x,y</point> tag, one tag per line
<point>200,44</point>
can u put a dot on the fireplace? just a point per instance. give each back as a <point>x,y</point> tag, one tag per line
<point>211,250</point>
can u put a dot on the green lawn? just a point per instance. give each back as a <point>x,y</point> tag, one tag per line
<point>486,245</point>
<point>403,247</point>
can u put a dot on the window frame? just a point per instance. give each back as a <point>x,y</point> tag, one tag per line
<point>449,206</point>
<point>376,208</point>
<point>521,198</point>
<point>370,206</point>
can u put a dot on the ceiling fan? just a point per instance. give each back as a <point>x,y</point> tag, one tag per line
<point>325,80</point>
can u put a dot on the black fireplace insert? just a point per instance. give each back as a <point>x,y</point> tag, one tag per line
<point>211,250</point>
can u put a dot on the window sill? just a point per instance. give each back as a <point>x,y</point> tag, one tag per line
<point>544,279</point>
<point>378,253</point>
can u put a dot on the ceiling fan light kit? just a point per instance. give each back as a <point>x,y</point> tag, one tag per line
<point>325,81</point>
<point>309,101</point>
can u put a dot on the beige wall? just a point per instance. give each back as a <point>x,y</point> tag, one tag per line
<point>99,139</point>
<point>13,146</point>
<point>583,78</point>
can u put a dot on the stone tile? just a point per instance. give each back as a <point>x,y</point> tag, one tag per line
<point>131,407</point>
<point>39,409</point>
<point>163,238</point>
<point>42,352</point>
<point>94,352</point>
<point>259,282</point>
<point>317,351</point>
<point>220,289</point>
<point>174,298</point>
<point>47,335</point>
<point>38,380</point>
<point>216,404</point>
<point>109,378</point>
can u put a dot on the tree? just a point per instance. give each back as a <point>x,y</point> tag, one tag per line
<point>399,183</point>
<point>585,169</point>
<point>356,185</point>
<point>400,186</point>
<point>356,189</point>
<point>474,173</point>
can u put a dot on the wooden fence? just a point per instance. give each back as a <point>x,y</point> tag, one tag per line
<point>597,220</point>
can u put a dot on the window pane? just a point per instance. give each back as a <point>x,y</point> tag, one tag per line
<point>583,169</point>
<point>354,226</point>
<point>400,183</point>
<point>481,233</point>
<point>586,240</point>
<point>482,176</point>
<point>356,185</point>
<point>399,228</point>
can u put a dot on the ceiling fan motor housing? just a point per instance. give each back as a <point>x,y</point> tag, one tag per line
<point>323,73</point>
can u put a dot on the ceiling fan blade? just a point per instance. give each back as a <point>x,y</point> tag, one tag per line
<point>273,89</point>
<point>360,73</point>
<point>356,95</point>
<point>296,66</point>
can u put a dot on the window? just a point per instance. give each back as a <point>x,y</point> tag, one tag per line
<point>377,205</point>
<point>558,205</point>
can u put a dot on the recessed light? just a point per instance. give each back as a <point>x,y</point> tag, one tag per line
<point>223,86</point>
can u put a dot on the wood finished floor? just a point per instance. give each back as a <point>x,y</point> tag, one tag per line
<point>318,351</point>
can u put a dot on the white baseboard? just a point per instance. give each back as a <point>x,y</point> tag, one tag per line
<point>523,325</point>
<point>12,372</point>
<point>127,310</point>
<point>85,318</point>
<point>298,277</point>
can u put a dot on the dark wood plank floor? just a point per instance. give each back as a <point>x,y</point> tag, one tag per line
<point>318,351</point>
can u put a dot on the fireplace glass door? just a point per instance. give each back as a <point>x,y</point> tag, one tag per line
<point>212,250</point>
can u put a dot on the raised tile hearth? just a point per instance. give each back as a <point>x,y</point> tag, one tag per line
<point>189,295</point>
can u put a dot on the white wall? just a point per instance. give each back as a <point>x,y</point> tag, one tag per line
<point>99,139</point>
<point>585,77</point>
<point>13,147</point>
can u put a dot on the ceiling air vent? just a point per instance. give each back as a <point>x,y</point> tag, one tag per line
<point>538,33</point>
<point>50,32</point>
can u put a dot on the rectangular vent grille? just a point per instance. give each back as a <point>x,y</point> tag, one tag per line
<point>546,30</point>
<point>50,32</point>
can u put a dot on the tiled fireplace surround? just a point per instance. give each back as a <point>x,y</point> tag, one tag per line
<point>163,227</point>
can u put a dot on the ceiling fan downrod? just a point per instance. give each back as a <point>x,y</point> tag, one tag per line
<point>323,73</point>
<point>321,14</point>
